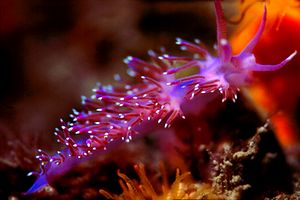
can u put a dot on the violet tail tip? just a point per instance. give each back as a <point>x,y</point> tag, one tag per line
<point>39,184</point>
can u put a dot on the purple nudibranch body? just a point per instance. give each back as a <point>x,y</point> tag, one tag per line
<point>115,114</point>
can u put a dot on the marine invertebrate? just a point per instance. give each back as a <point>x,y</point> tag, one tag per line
<point>117,113</point>
<point>182,188</point>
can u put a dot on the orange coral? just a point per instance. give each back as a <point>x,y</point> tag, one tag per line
<point>182,188</point>
<point>275,93</point>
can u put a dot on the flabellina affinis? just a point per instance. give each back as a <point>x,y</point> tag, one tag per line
<point>117,113</point>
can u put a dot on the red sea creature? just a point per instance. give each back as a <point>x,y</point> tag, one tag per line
<point>117,113</point>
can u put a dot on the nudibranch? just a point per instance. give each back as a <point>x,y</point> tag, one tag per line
<point>116,114</point>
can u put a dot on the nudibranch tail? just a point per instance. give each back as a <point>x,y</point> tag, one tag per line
<point>39,184</point>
